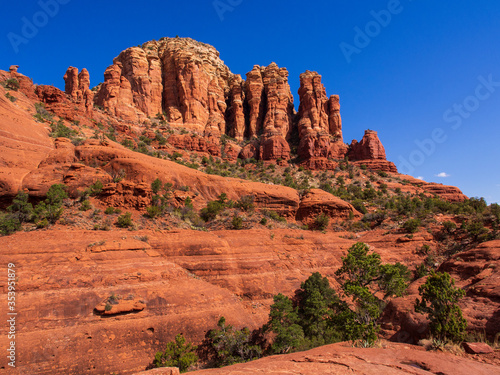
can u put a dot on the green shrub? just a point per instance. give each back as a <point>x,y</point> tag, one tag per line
<point>60,130</point>
<point>421,271</point>
<point>10,97</point>
<point>212,209</point>
<point>321,221</point>
<point>449,226</point>
<point>153,211</point>
<point>246,203</point>
<point>363,276</point>
<point>9,225</point>
<point>439,298</point>
<point>85,206</point>
<point>273,215</point>
<point>284,322</point>
<point>20,208</point>
<point>51,208</point>
<point>125,220</point>
<point>156,186</point>
<point>95,188</point>
<point>359,206</point>
<point>382,174</point>
<point>11,84</point>
<point>232,346</point>
<point>237,222</point>
<point>263,221</point>
<point>128,143</point>
<point>111,210</point>
<point>178,353</point>
<point>475,229</point>
<point>411,225</point>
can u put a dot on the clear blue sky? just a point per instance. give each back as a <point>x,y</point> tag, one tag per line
<point>430,70</point>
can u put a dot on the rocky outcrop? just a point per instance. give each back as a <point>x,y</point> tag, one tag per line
<point>77,86</point>
<point>24,143</point>
<point>193,142</point>
<point>316,202</point>
<point>477,271</point>
<point>370,148</point>
<point>319,122</point>
<point>115,94</point>
<point>235,111</point>
<point>270,103</point>
<point>343,359</point>
<point>371,153</point>
<point>446,192</point>
<point>186,82</point>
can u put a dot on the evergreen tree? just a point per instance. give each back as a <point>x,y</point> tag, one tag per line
<point>439,301</point>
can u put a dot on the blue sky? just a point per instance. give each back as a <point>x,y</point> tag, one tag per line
<point>424,74</point>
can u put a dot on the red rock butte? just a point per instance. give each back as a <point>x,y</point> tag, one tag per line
<point>187,83</point>
<point>167,275</point>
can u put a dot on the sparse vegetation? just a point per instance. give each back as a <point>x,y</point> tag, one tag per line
<point>178,353</point>
<point>439,298</point>
<point>125,220</point>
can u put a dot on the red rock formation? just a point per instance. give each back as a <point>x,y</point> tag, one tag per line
<point>319,124</point>
<point>78,87</point>
<point>449,193</point>
<point>231,151</point>
<point>72,84</point>
<point>196,143</point>
<point>279,102</point>
<point>254,88</point>
<point>26,85</point>
<point>274,147</point>
<point>317,202</point>
<point>236,115</point>
<point>24,143</point>
<point>115,94</point>
<point>369,148</point>
<point>334,119</point>
<point>249,151</point>
<point>195,83</point>
<point>478,272</point>
<point>342,359</point>
<point>370,152</point>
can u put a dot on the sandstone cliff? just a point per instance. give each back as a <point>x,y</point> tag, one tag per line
<point>186,83</point>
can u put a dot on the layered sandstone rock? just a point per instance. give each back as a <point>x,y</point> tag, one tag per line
<point>370,152</point>
<point>343,359</point>
<point>270,110</point>
<point>316,202</point>
<point>236,115</point>
<point>192,142</point>
<point>477,272</point>
<point>370,147</point>
<point>24,143</point>
<point>319,124</point>
<point>77,86</point>
<point>446,192</point>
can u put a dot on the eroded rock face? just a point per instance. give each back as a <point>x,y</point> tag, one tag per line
<point>77,86</point>
<point>270,110</point>
<point>477,272</point>
<point>369,148</point>
<point>317,202</point>
<point>319,124</point>
<point>236,115</point>
<point>343,359</point>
